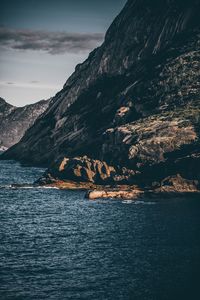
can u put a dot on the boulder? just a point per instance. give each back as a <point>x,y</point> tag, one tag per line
<point>85,169</point>
<point>129,194</point>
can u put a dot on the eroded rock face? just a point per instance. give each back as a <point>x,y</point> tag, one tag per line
<point>149,140</point>
<point>14,121</point>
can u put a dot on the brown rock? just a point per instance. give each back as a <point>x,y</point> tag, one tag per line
<point>82,169</point>
<point>178,184</point>
<point>85,169</point>
<point>122,115</point>
<point>115,194</point>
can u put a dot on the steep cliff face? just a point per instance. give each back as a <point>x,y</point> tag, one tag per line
<point>135,101</point>
<point>14,121</point>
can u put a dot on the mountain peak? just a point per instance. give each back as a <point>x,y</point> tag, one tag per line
<point>16,120</point>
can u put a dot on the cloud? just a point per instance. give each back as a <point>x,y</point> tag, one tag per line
<point>30,85</point>
<point>51,42</point>
<point>34,81</point>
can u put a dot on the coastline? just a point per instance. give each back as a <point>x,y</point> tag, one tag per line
<point>3,149</point>
<point>124,192</point>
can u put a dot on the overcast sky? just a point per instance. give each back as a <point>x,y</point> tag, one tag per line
<point>41,42</point>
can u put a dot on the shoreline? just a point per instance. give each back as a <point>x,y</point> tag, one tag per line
<point>124,192</point>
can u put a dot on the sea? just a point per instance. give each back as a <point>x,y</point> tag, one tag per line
<point>56,245</point>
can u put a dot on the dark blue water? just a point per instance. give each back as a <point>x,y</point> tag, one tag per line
<point>57,245</point>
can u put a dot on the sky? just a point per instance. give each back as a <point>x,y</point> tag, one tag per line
<point>41,42</point>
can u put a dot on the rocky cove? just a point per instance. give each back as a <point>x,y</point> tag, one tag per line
<point>127,122</point>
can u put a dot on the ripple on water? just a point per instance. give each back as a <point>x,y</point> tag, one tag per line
<point>55,244</point>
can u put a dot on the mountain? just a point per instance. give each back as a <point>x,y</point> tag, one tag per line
<point>16,120</point>
<point>133,104</point>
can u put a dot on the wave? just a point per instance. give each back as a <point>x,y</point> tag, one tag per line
<point>138,202</point>
<point>25,186</point>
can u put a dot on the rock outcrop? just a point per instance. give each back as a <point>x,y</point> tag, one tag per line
<point>178,184</point>
<point>134,103</point>
<point>14,121</point>
<point>84,169</point>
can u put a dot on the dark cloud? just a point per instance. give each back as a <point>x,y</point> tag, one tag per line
<point>10,83</point>
<point>51,42</point>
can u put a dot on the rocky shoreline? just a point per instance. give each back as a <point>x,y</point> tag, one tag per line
<point>101,180</point>
<point>125,192</point>
<point>130,114</point>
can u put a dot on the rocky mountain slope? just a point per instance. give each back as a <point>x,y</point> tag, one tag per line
<point>14,121</point>
<point>134,103</point>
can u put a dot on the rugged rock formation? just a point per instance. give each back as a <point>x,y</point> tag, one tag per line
<point>84,169</point>
<point>135,102</point>
<point>178,184</point>
<point>14,121</point>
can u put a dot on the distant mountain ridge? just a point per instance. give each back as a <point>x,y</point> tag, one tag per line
<point>14,121</point>
<point>134,103</point>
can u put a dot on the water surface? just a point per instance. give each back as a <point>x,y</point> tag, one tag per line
<point>57,245</point>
